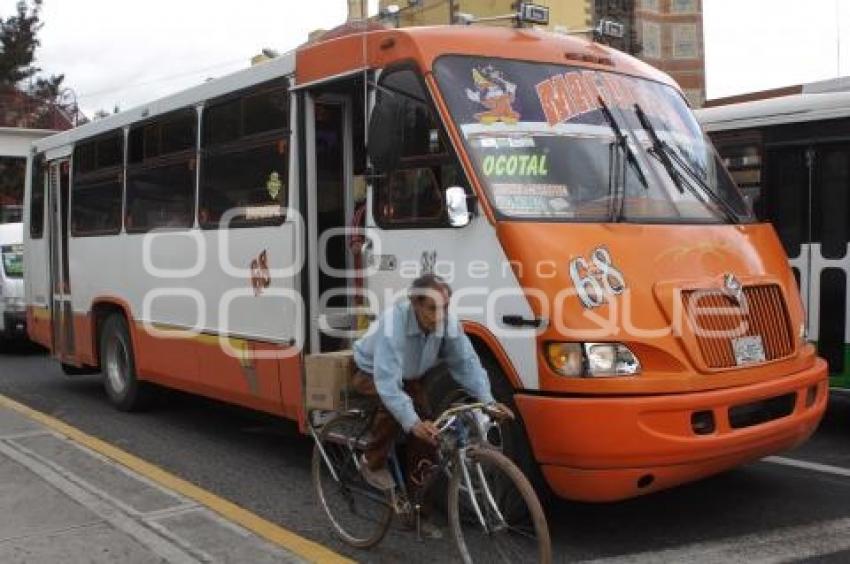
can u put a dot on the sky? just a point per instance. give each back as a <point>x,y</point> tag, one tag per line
<point>760,44</point>
<point>125,53</point>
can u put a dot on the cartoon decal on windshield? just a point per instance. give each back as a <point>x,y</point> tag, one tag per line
<point>494,93</point>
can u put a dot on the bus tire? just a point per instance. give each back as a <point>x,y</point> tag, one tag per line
<point>515,443</point>
<point>120,381</point>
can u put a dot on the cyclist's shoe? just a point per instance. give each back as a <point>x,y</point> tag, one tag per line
<point>428,530</point>
<point>379,479</point>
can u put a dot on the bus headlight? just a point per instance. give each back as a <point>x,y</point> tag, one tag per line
<point>610,359</point>
<point>592,359</point>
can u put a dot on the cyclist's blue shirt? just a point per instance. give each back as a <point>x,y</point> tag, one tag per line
<point>395,349</point>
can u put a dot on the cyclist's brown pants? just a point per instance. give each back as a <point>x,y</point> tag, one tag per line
<point>385,429</point>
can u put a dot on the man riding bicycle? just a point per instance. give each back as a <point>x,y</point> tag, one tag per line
<point>404,345</point>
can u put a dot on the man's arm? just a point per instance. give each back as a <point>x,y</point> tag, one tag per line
<point>465,366</point>
<point>389,364</point>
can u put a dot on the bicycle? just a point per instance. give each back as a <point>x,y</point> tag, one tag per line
<point>493,511</point>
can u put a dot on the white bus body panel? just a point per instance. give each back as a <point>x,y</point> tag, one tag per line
<point>473,262</point>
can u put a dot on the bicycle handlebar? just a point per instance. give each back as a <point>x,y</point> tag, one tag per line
<point>445,417</point>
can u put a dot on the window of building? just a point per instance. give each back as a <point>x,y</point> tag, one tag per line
<point>97,186</point>
<point>412,195</point>
<point>38,172</point>
<point>685,41</point>
<point>244,167</point>
<point>161,173</point>
<point>651,5</point>
<point>683,6</point>
<point>651,38</point>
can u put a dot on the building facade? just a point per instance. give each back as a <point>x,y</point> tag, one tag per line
<point>564,15</point>
<point>667,34</point>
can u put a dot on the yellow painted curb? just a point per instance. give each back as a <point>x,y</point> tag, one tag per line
<point>292,542</point>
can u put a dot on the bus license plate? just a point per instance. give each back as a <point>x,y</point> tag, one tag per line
<point>748,350</point>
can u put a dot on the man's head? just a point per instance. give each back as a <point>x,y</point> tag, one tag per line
<point>430,295</point>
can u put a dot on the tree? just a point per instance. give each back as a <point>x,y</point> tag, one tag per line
<point>19,40</point>
<point>26,99</point>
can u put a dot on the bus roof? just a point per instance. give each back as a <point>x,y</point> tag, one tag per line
<point>426,44</point>
<point>776,111</point>
<point>244,78</point>
<point>343,53</point>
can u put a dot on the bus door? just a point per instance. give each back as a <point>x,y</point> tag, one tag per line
<point>808,203</point>
<point>61,312</point>
<point>329,209</point>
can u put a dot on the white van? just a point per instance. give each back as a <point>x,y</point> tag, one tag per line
<point>12,311</point>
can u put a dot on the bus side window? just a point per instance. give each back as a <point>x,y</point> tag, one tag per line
<point>245,159</point>
<point>96,194</point>
<point>161,173</point>
<point>412,195</point>
<point>37,198</point>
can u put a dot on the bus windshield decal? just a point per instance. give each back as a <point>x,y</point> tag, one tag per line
<point>515,165</point>
<point>495,94</point>
<point>566,96</point>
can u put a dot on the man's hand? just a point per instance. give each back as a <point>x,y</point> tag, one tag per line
<point>427,431</point>
<point>500,411</point>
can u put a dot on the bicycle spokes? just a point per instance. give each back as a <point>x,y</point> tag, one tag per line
<point>497,518</point>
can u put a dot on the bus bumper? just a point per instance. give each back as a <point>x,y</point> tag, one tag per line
<point>608,449</point>
<point>14,324</point>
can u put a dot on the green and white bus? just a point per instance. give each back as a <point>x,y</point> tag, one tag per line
<point>791,157</point>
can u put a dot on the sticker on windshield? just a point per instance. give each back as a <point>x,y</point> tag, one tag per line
<point>495,93</point>
<point>527,165</point>
<point>533,199</point>
<point>524,142</point>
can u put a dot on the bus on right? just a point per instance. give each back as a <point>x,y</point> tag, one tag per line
<point>790,156</point>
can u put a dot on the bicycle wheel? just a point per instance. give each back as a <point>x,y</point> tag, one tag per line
<point>494,514</point>
<point>359,514</point>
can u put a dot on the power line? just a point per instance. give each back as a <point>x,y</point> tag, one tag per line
<point>158,80</point>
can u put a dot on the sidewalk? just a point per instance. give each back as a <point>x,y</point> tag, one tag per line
<point>64,498</point>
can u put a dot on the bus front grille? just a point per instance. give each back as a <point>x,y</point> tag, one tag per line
<point>717,320</point>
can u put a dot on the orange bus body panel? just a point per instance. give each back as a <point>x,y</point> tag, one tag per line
<point>603,449</point>
<point>423,45</point>
<point>39,326</point>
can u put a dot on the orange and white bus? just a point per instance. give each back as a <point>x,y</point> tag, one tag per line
<point>621,295</point>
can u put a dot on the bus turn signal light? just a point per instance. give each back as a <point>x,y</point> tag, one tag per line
<point>567,359</point>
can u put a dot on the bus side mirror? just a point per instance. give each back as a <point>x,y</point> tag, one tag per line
<point>456,205</point>
<point>386,134</point>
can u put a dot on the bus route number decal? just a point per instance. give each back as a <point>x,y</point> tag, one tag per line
<point>597,279</point>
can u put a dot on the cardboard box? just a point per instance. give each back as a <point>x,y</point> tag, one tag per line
<point>328,378</point>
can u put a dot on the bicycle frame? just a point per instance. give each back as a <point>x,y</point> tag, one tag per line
<point>456,422</point>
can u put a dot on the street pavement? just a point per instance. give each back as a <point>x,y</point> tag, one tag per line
<point>63,502</point>
<point>787,508</point>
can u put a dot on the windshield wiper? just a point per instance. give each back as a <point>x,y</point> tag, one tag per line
<point>666,155</point>
<point>622,142</point>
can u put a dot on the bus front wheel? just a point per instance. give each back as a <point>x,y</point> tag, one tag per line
<point>118,365</point>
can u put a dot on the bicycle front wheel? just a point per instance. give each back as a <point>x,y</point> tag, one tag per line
<point>494,513</point>
<point>359,514</point>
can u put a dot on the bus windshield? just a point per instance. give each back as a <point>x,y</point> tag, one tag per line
<point>560,143</point>
<point>13,260</point>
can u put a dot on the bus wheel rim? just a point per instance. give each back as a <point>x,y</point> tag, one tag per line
<point>117,366</point>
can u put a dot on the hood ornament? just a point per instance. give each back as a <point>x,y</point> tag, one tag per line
<point>732,287</point>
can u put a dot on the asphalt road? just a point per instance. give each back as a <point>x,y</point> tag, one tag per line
<point>795,507</point>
